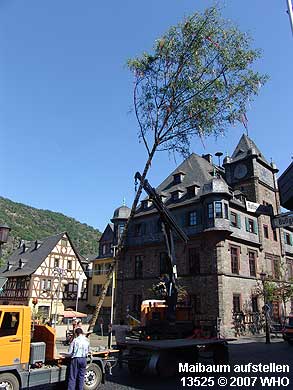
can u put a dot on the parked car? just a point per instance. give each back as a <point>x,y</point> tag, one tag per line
<point>288,329</point>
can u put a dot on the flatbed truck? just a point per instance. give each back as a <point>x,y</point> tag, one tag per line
<point>161,357</point>
<point>29,359</point>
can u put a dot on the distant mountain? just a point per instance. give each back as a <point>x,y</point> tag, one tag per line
<point>29,223</point>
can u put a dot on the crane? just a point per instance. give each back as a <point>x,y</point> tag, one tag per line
<point>169,226</point>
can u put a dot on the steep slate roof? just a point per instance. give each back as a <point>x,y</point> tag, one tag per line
<point>108,233</point>
<point>244,148</point>
<point>32,257</point>
<point>198,171</point>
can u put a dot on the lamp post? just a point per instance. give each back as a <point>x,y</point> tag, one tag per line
<point>4,233</point>
<point>263,279</point>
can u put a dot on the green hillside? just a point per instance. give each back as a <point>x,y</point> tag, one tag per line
<point>28,223</point>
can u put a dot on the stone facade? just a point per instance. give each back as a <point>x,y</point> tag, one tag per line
<point>229,244</point>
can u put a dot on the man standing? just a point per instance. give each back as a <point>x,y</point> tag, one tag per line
<point>78,351</point>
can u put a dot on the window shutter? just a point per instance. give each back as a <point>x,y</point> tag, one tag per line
<point>291,240</point>
<point>230,218</point>
<point>255,227</point>
<point>238,221</point>
<point>246,224</point>
<point>285,241</point>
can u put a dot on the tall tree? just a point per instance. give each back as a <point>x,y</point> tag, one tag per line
<point>196,82</point>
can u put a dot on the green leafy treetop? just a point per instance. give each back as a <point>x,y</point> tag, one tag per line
<point>196,82</point>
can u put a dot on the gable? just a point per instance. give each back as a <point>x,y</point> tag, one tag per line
<point>108,234</point>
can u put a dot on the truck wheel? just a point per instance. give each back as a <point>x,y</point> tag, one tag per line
<point>8,381</point>
<point>93,377</point>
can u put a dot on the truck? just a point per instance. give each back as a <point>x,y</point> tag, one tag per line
<point>28,357</point>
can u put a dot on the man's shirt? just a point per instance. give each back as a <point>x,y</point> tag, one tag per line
<point>79,347</point>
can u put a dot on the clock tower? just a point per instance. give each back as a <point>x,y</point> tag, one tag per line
<point>248,171</point>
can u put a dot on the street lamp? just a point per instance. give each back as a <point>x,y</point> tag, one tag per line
<point>263,276</point>
<point>4,232</point>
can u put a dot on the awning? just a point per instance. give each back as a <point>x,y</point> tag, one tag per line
<point>73,314</point>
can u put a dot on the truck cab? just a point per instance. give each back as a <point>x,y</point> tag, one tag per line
<point>15,335</point>
<point>29,359</point>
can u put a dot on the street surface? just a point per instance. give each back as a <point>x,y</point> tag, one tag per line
<point>241,352</point>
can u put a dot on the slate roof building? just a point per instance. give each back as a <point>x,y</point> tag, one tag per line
<point>226,212</point>
<point>47,269</point>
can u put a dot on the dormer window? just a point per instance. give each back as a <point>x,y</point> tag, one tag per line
<point>9,266</point>
<point>37,245</point>
<point>145,204</point>
<point>192,191</point>
<point>20,263</point>
<point>163,198</point>
<point>178,177</point>
<point>176,195</point>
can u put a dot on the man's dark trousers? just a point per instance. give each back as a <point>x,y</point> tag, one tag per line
<point>76,373</point>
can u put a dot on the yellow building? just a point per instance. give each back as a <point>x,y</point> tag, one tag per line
<point>99,270</point>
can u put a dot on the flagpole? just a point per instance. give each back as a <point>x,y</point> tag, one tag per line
<point>290,13</point>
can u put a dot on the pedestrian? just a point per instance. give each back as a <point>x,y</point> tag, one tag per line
<point>121,331</point>
<point>78,352</point>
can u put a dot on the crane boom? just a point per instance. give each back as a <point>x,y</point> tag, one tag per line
<point>169,225</point>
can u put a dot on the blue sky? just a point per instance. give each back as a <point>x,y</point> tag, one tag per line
<point>68,140</point>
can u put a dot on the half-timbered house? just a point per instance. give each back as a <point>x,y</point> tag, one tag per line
<point>49,270</point>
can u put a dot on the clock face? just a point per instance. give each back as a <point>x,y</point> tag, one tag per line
<point>240,171</point>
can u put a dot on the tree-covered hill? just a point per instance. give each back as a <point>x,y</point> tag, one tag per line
<point>29,223</point>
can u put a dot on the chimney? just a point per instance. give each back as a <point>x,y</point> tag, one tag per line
<point>208,157</point>
<point>23,247</point>
<point>36,245</point>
